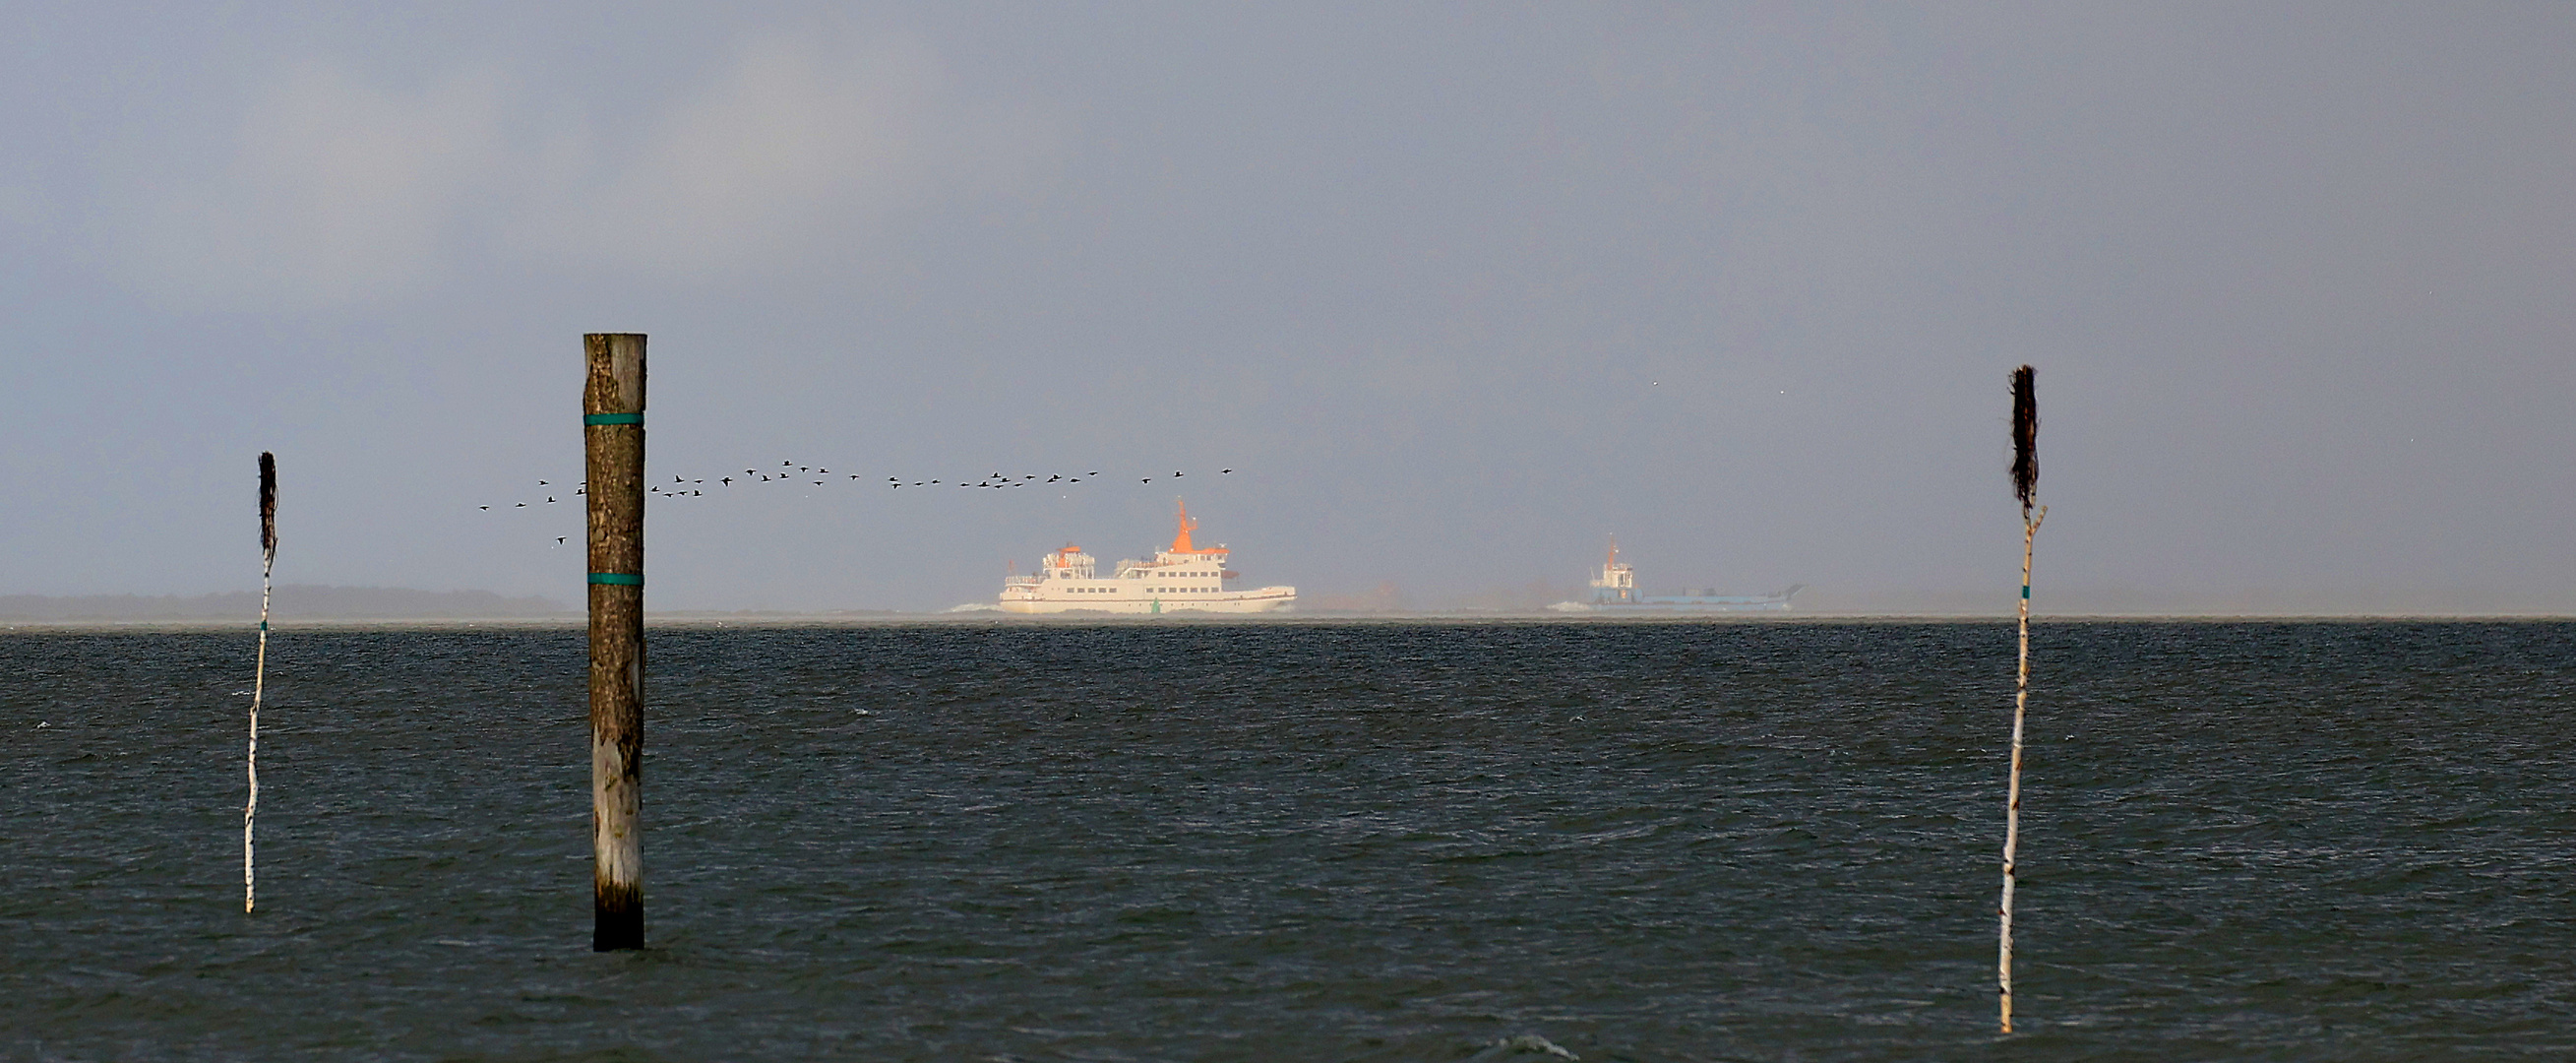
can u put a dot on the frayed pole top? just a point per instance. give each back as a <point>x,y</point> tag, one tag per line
<point>2025,437</point>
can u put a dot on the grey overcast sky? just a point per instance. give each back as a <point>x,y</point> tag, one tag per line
<point>1460,289</point>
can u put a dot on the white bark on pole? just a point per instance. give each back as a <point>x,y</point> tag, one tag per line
<point>250,809</point>
<point>259,672</point>
<point>2012,805</point>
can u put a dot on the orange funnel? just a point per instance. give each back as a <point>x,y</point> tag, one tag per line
<point>1181,538</point>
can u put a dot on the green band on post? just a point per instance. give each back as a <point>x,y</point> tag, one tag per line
<point>263,625</point>
<point>2025,592</point>
<point>618,579</point>
<point>589,419</point>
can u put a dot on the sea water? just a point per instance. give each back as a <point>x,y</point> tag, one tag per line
<point>1304,841</point>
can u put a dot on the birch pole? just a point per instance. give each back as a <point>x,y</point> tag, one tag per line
<point>259,672</point>
<point>2025,476</point>
<point>612,408</point>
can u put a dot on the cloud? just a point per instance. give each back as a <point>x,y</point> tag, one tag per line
<point>788,148</point>
<point>20,205</point>
<point>334,191</point>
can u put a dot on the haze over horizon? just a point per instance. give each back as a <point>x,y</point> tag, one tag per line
<point>1458,290</point>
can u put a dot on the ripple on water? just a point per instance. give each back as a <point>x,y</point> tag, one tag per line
<point>1306,841</point>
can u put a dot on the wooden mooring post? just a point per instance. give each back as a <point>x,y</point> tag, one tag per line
<point>612,430</point>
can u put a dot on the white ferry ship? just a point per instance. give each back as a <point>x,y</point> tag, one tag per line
<point>1180,579</point>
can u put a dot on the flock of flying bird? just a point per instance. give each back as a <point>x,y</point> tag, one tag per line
<point>789,472</point>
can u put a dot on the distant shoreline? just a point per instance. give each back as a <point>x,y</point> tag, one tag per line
<point>889,618</point>
<point>313,606</point>
<point>291,602</point>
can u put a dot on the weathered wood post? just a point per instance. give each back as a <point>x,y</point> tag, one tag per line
<point>612,420</point>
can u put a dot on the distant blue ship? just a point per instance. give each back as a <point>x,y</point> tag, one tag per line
<point>1615,591</point>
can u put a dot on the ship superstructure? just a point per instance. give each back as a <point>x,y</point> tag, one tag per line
<point>1181,578</point>
<point>1614,589</point>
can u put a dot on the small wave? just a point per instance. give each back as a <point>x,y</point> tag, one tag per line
<point>1525,1046</point>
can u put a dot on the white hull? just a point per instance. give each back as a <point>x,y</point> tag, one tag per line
<point>1265,600</point>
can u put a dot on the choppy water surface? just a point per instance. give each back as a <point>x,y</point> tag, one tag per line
<point>1714,841</point>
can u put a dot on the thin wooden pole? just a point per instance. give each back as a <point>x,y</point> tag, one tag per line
<point>612,407</point>
<point>2012,807</point>
<point>259,672</point>
<point>2025,480</point>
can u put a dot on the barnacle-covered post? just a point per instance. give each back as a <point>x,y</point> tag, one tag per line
<point>612,419</point>
<point>2025,478</point>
